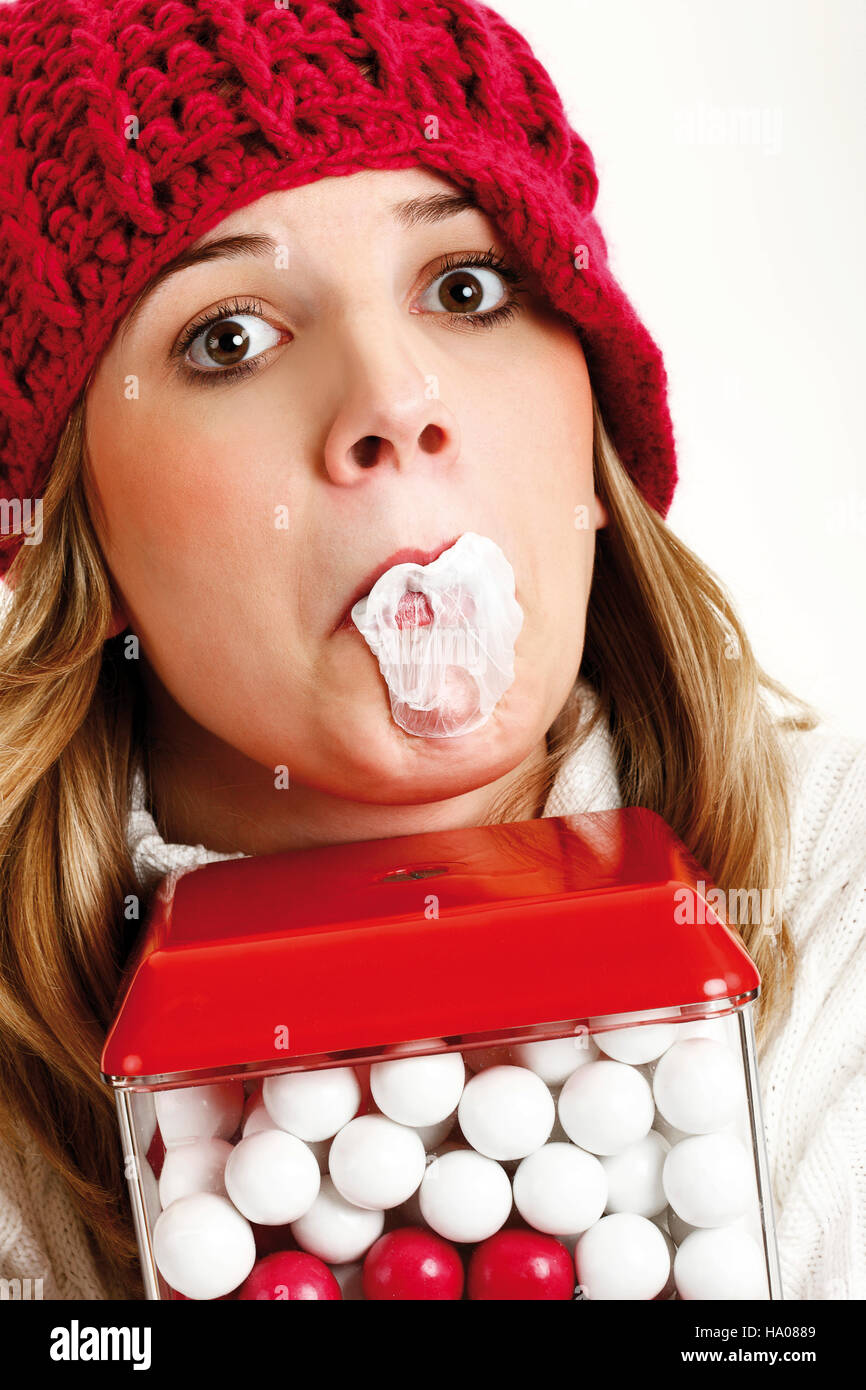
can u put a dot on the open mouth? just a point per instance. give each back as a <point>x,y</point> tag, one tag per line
<point>413,614</point>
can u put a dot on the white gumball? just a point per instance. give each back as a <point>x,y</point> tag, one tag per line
<point>634,1176</point>
<point>560,1188</point>
<point>418,1091</point>
<point>312,1105</point>
<point>554,1059</point>
<point>196,1167</point>
<point>697,1085</point>
<point>203,1246</point>
<point>723,1263</point>
<point>623,1256</point>
<point>606,1106</point>
<point>199,1112</point>
<point>376,1162</point>
<point>708,1179</point>
<point>506,1112</point>
<point>641,1043</point>
<point>465,1197</point>
<point>272,1177</point>
<point>335,1230</point>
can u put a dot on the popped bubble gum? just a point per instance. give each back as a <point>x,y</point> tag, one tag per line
<point>444,637</point>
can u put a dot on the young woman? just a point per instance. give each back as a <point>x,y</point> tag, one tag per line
<point>291,289</point>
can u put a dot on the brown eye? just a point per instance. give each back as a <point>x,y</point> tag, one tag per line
<point>466,291</point>
<point>227,344</point>
<point>460,290</point>
<point>231,341</point>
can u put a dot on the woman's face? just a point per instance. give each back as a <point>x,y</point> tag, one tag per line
<point>247,475</point>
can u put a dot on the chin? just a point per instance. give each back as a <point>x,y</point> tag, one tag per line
<point>409,768</point>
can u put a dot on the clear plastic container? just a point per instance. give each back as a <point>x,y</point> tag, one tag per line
<point>511,1062</point>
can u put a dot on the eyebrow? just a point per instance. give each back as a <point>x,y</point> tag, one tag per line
<point>412,212</point>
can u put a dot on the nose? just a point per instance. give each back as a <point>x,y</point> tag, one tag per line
<point>390,410</point>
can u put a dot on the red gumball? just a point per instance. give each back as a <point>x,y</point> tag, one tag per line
<point>524,1265</point>
<point>411,1264</point>
<point>289,1274</point>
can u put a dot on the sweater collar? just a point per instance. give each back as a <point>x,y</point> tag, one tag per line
<point>586,781</point>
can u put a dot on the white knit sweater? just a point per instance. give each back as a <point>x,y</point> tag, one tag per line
<point>812,1075</point>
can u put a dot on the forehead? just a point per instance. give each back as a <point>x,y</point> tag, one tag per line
<point>367,195</point>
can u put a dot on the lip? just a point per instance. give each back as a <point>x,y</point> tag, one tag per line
<point>408,555</point>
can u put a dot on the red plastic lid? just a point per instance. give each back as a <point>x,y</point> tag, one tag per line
<point>309,954</point>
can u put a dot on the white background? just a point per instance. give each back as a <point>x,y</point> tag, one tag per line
<point>745,260</point>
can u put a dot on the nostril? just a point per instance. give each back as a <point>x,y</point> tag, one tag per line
<point>366,451</point>
<point>432,439</point>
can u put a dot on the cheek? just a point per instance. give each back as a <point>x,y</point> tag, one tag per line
<point>151,477</point>
<point>553,506</point>
<point>184,500</point>
<point>205,563</point>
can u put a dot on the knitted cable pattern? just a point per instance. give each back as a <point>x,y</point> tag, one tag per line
<point>129,128</point>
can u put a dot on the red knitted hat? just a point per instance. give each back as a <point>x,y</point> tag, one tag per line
<point>238,98</point>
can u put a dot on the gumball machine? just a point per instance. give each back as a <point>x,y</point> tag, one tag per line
<point>506,1062</point>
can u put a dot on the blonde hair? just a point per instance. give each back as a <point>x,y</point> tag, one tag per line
<point>679,689</point>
